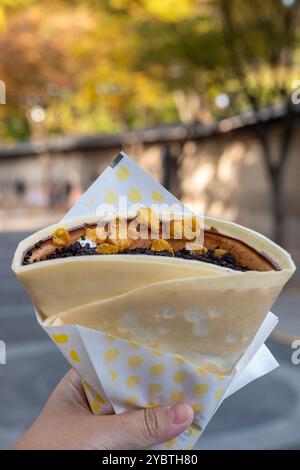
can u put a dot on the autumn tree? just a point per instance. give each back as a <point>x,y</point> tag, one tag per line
<point>84,66</point>
<point>244,50</point>
<point>71,64</point>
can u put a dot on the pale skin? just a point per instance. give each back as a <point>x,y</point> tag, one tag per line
<point>66,423</point>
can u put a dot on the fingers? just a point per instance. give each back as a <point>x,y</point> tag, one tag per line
<point>146,427</point>
<point>70,392</point>
<point>135,430</point>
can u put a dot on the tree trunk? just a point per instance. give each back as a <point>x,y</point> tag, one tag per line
<point>171,166</point>
<point>275,170</point>
<point>278,203</point>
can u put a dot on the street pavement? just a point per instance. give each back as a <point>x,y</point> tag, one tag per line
<point>264,415</point>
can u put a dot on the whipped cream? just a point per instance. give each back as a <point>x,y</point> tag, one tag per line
<point>86,242</point>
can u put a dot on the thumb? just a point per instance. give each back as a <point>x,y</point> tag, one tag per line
<point>146,427</point>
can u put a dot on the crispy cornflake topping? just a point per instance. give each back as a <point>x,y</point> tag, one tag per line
<point>60,237</point>
<point>161,245</point>
<point>219,252</point>
<point>96,235</point>
<point>118,235</point>
<point>121,244</point>
<point>148,218</point>
<point>201,250</point>
<point>106,249</point>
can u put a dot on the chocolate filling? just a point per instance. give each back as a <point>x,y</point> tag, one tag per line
<point>227,260</point>
<point>238,256</point>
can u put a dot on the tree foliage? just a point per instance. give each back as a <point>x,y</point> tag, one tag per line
<point>112,65</point>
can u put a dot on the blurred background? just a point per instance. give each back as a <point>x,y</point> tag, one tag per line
<point>205,95</point>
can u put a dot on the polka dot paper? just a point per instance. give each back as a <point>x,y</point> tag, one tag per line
<point>122,178</point>
<point>120,375</point>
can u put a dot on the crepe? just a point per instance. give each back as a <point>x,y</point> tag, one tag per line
<point>204,312</point>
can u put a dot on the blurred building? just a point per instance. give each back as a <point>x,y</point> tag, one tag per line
<point>218,164</point>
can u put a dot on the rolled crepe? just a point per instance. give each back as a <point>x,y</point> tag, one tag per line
<point>207,313</point>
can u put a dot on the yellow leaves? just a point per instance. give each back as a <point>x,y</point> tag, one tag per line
<point>171,10</point>
<point>2,19</point>
<point>135,64</point>
<point>91,84</point>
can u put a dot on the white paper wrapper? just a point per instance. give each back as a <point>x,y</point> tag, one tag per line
<point>119,375</point>
<point>122,177</point>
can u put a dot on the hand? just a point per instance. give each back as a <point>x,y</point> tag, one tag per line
<point>66,423</point>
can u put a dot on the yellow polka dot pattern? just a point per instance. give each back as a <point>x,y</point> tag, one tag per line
<point>132,381</point>
<point>152,404</point>
<point>157,197</point>
<point>201,389</point>
<point>177,396</point>
<point>198,408</point>
<point>134,195</point>
<point>60,339</point>
<point>132,400</point>
<point>111,354</point>
<point>95,407</point>
<point>100,399</point>
<point>98,403</point>
<point>110,197</point>
<point>85,386</point>
<point>193,430</point>
<point>114,375</point>
<point>139,377</point>
<point>219,393</point>
<point>157,369</point>
<point>134,361</point>
<point>122,173</point>
<point>74,356</point>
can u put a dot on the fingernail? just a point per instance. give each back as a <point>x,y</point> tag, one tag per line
<point>181,413</point>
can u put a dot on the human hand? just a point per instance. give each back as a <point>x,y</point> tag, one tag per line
<point>66,423</point>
